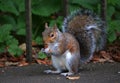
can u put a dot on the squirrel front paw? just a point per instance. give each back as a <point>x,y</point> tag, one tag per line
<point>43,51</point>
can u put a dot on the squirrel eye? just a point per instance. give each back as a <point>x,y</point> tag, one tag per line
<point>51,35</point>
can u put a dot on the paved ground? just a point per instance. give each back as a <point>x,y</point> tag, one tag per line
<point>89,73</point>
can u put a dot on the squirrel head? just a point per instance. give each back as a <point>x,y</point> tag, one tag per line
<point>50,34</point>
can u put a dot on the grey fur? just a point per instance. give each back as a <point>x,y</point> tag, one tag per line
<point>86,36</point>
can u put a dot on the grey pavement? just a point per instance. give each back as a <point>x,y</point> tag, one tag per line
<point>89,73</point>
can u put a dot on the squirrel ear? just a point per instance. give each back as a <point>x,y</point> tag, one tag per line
<point>46,25</point>
<point>55,27</point>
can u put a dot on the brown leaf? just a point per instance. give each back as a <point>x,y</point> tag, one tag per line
<point>41,61</point>
<point>95,58</point>
<point>2,64</point>
<point>44,61</point>
<point>34,43</point>
<point>73,77</point>
<point>11,63</point>
<point>116,58</point>
<point>105,55</point>
<point>3,59</point>
<point>13,59</point>
<point>23,63</point>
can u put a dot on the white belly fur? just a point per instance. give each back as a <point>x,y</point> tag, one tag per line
<point>61,62</point>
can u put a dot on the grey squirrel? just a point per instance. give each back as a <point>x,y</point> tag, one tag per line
<point>83,34</point>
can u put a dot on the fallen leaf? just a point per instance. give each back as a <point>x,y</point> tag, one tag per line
<point>40,61</point>
<point>43,61</point>
<point>105,55</point>
<point>34,43</point>
<point>95,58</point>
<point>3,59</point>
<point>116,58</point>
<point>23,63</point>
<point>73,77</point>
<point>11,63</point>
<point>23,46</point>
<point>2,64</point>
<point>13,59</point>
<point>102,60</point>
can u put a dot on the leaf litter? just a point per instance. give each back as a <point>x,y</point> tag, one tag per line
<point>111,54</point>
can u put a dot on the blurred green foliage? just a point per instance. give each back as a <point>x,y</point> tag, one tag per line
<point>12,19</point>
<point>41,55</point>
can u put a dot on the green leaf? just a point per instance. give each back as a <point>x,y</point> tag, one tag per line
<point>8,6</point>
<point>7,19</point>
<point>45,7</point>
<point>12,41</point>
<point>41,55</point>
<point>57,21</point>
<point>39,40</point>
<point>111,37</point>
<point>20,26</point>
<point>2,47</point>
<point>113,2</point>
<point>6,28</point>
<point>20,5</point>
<point>73,7</point>
<point>14,50</point>
<point>85,3</point>
<point>110,12</point>
<point>5,32</point>
<point>113,26</point>
<point>21,32</point>
<point>117,15</point>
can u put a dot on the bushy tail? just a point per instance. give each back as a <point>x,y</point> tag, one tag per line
<point>88,29</point>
